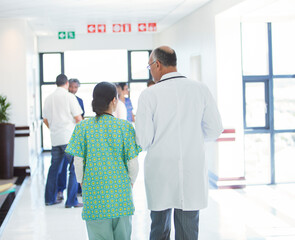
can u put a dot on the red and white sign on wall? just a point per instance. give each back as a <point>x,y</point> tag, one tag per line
<point>126,27</point>
<point>142,27</point>
<point>91,28</point>
<point>101,28</point>
<point>117,28</point>
<point>152,27</point>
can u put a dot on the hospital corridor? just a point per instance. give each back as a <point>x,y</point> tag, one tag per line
<point>148,119</point>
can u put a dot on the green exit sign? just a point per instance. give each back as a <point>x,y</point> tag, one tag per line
<point>64,35</point>
<point>71,35</point>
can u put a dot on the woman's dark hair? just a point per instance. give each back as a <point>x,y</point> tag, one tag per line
<point>103,94</point>
<point>122,85</point>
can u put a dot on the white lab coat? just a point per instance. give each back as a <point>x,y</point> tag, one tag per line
<point>173,119</point>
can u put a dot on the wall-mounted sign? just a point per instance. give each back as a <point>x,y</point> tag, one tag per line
<point>71,35</point>
<point>127,27</point>
<point>101,28</point>
<point>91,28</point>
<point>119,28</point>
<point>142,27</point>
<point>152,27</point>
<point>64,35</point>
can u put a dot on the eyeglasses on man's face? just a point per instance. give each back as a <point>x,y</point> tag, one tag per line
<point>149,66</point>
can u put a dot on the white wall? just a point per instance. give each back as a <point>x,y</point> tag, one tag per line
<point>13,68</point>
<point>130,41</point>
<point>18,71</point>
<point>195,36</point>
<point>201,35</point>
<point>230,94</point>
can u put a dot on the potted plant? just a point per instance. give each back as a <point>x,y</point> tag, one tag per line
<point>7,132</point>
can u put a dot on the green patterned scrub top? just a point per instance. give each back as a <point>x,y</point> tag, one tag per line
<point>106,144</point>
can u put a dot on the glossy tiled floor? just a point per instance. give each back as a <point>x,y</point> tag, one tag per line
<point>254,213</point>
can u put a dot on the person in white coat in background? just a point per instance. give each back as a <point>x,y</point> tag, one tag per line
<point>173,120</point>
<point>121,110</point>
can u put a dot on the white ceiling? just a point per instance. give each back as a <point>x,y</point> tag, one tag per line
<point>47,17</point>
<point>264,10</point>
<point>274,10</point>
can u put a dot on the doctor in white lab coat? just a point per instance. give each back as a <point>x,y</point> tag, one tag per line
<point>174,118</point>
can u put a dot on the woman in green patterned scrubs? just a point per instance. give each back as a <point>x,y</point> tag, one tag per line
<point>106,149</point>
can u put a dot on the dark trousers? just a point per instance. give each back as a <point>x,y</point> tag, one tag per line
<point>186,224</point>
<point>62,177</point>
<point>57,156</point>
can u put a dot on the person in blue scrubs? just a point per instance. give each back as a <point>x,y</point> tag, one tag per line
<point>127,101</point>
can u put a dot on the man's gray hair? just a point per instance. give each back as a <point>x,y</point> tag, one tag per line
<point>74,80</point>
<point>167,58</point>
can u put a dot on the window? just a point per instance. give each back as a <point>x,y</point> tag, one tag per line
<point>269,113</point>
<point>51,66</point>
<point>139,60</point>
<point>255,49</point>
<point>284,155</point>
<point>97,66</point>
<point>284,103</point>
<point>256,105</point>
<point>90,68</point>
<point>283,39</point>
<point>257,158</point>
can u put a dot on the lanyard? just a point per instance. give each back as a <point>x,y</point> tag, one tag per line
<point>165,79</point>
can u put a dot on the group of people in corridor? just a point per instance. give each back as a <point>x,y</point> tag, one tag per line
<point>175,116</point>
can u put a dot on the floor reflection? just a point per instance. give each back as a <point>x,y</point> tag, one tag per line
<point>254,213</point>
